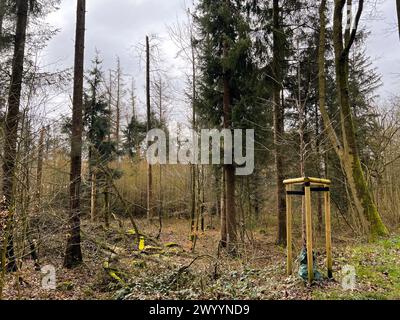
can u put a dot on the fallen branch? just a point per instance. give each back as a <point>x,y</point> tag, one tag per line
<point>181,270</point>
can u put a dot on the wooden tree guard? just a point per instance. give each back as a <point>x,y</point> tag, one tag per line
<point>309,185</point>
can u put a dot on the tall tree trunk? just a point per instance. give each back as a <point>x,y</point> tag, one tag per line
<point>321,96</point>
<point>73,254</point>
<point>118,107</point>
<point>107,202</point>
<point>361,193</point>
<point>193,166</point>
<point>11,128</point>
<point>277,65</point>
<point>229,169</point>
<point>302,149</point>
<point>39,172</point>
<point>92,157</point>
<point>2,14</point>
<point>110,98</point>
<point>161,195</point>
<point>149,167</point>
<point>38,200</point>
<point>398,13</point>
<point>223,210</point>
<point>203,200</point>
<point>347,149</point>
<point>230,207</point>
<point>319,167</point>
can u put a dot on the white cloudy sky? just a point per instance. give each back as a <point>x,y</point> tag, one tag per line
<point>115,27</point>
<point>384,46</point>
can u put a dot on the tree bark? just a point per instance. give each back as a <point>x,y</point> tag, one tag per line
<point>161,194</point>
<point>223,210</point>
<point>398,14</point>
<point>118,107</point>
<point>93,197</point>
<point>348,151</point>
<point>322,94</point>
<point>302,150</point>
<point>230,207</point>
<point>107,202</point>
<point>229,169</point>
<point>319,167</point>
<point>73,254</point>
<point>148,104</point>
<point>278,122</point>
<point>2,14</point>
<point>193,166</point>
<point>39,172</point>
<point>11,128</point>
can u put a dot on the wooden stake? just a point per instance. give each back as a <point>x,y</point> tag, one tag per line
<point>309,233</point>
<point>328,238</point>
<point>289,231</point>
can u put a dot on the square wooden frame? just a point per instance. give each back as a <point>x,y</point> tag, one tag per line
<point>309,185</point>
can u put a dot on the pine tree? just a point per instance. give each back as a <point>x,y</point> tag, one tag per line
<point>134,134</point>
<point>227,84</point>
<point>98,128</point>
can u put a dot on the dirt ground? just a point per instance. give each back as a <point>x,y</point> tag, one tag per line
<point>167,268</point>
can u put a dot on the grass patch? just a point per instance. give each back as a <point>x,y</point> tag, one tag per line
<point>377,268</point>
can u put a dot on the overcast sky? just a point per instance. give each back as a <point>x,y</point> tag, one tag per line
<point>115,27</point>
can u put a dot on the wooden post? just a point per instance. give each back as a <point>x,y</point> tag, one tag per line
<point>289,230</point>
<point>328,238</point>
<point>309,232</point>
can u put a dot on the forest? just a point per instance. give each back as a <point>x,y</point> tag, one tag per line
<point>249,152</point>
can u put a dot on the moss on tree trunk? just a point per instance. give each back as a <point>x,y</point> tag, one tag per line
<point>350,159</point>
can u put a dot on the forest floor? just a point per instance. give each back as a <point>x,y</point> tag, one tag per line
<point>167,268</point>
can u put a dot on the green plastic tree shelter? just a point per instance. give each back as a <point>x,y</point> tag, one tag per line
<point>308,185</point>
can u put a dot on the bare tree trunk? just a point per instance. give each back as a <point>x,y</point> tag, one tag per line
<point>229,169</point>
<point>110,100</point>
<point>230,207</point>
<point>107,202</point>
<point>223,210</point>
<point>278,122</point>
<point>38,200</point>
<point>149,167</point>
<point>194,166</point>
<point>398,13</point>
<point>11,128</point>
<point>160,207</point>
<point>39,172</point>
<point>193,199</point>
<point>73,254</point>
<point>322,99</point>
<point>203,201</point>
<point>302,149</point>
<point>92,157</point>
<point>118,107</point>
<point>319,168</point>
<point>2,14</point>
